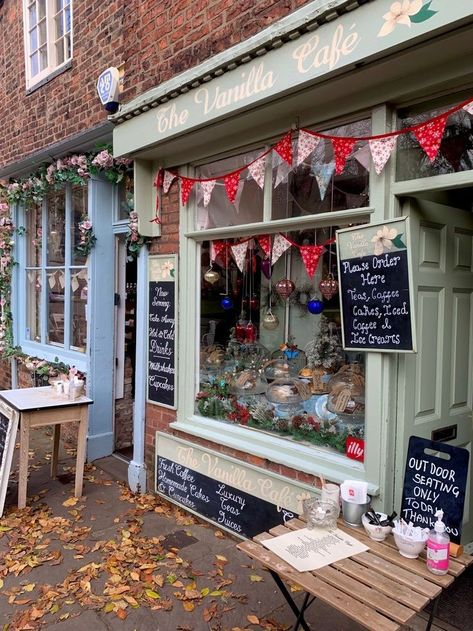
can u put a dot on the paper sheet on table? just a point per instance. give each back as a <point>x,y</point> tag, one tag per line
<point>308,550</point>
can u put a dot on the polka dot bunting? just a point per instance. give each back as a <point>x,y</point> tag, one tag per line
<point>231,182</point>
<point>265,243</point>
<point>342,148</point>
<point>186,188</point>
<point>207,188</point>
<point>284,148</point>
<point>430,136</point>
<point>305,145</point>
<point>280,245</point>
<point>381,149</point>
<point>257,169</point>
<point>310,255</point>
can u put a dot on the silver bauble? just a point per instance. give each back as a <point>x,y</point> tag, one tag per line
<point>270,321</point>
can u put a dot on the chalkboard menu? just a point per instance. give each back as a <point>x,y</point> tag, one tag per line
<point>435,478</point>
<point>235,496</point>
<point>162,296</point>
<point>375,287</point>
<point>8,430</point>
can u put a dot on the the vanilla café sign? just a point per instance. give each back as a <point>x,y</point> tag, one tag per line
<point>369,30</point>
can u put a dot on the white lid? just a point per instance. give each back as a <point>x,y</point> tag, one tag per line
<point>439,526</point>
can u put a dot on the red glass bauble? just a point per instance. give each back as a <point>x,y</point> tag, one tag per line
<point>328,287</point>
<point>251,333</point>
<point>284,287</point>
<point>240,330</point>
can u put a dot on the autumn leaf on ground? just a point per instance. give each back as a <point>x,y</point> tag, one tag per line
<point>188,606</point>
<point>252,619</point>
<point>254,578</point>
<point>72,501</point>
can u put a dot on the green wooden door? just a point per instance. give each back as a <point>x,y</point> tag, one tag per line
<point>435,385</point>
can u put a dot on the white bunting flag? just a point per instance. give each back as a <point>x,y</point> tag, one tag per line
<point>323,174</point>
<point>381,150</point>
<point>168,180</point>
<point>257,169</point>
<point>207,188</point>
<point>469,107</point>
<point>239,254</point>
<point>305,145</point>
<point>280,245</point>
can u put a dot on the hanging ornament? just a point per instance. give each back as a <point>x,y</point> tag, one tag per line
<point>211,275</point>
<point>315,306</point>
<point>251,333</point>
<point>253,302</point>
<point>284,287</point>
<point>266,268</point>
<point>270,321</point>
<point>240,329</point>
<point>328,287</point>
<point>226,303</point>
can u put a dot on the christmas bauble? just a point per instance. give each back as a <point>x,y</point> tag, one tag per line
<point>270,321</point>
<point>328,287</point>
<point>240,330</point>
<point>251,332</point>
<point>211,276</point>
<point>226,303</point>
<point>315,306</point>
<point>284,287</point>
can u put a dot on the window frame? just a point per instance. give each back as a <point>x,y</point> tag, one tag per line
<point>52,66</point>
<point>43,349</point>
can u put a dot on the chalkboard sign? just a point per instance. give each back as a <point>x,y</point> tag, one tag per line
<point>375,287</point>
<point>435,477</point>
<point>237,497</point>
<point>162,294</point>
<point>8,430</point>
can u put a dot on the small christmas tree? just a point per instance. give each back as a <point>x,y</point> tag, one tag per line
<point>324,353</point>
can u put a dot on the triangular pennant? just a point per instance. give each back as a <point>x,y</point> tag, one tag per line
<point>363,156</point>
<point>168,180</point>
<point>311,255</point>
<point>217,248</point>
<point>239,254</point>
<point>381,150</point>
<point>323,174</point>
<point>186,188</point>
<point>280,245</point>
<point>305,145</point>
<point>264,241</point>
<point>231,182</point>
<point>207,187</point>
<point>284,148</point>
<point>469,107</point>
<point>342,147</point>
<point>281,174</point>
<point>430,136</point>
<point>257,170</point>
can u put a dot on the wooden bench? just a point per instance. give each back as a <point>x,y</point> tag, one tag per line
<point>379,588</point>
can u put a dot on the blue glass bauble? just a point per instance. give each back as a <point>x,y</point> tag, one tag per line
<point>315,306</point>
<point>226,303</point>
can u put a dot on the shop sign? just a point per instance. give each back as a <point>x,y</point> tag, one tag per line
<point>375,287</point>
<point>162,294</point>
<point>368,31</point>
<point>233,495</point>
<point>355,448</point>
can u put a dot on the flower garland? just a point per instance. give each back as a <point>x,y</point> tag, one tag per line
<point>87,238</point>
<point>134,240</point>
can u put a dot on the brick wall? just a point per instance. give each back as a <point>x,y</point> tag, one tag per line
<point>156,40</point>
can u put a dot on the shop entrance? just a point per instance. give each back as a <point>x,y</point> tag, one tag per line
<point>435,386</point>
<point>125,347</point>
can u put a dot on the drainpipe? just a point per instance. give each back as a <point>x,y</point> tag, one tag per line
<point>137,467</point>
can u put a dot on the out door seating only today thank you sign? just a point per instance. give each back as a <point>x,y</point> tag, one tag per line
<point>375,287</point>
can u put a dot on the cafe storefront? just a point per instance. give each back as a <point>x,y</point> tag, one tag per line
<point>245,169</point>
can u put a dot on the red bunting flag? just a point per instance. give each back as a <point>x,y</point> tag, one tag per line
<point>311,255</point>
<point>265,243</point>
<point>430,136</point>
<point>216,248</point>
<point>186,188</point>
<point>342,147</point>
<point>284,148</point>
<point>231,182</point>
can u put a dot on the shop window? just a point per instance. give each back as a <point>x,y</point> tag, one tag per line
<point>48,37</point>
<point>56,271</point>
<point>455,152</point>
<point>266,361</point>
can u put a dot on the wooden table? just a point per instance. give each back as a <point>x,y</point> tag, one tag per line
<point>39,407</point>
<point>379,588</point>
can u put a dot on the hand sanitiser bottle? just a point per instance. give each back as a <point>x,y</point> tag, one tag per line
<point>438,547</point>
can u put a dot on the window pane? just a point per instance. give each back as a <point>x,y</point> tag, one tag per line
<point>125,196</point>
<point>34,39</point>
<point>59,5</point>
<point>41,8</point>
<point>33,302</point>
<point>67,47</point>
<point>313,187</point>
<point>79,309</point>
<point>56,229</point>
<point>34,64</point>
<point>251,374</point>
<point>59,26</point>
<point>42,32</point>
<point>55,288</point>
<point>79,211</point>
<point>32,16</point>
<point>59,52</point>
<point>248,205</point>
<point>67,20</point>
<point>43,58</point>
<point>34,236</point>
<point>455,152</point>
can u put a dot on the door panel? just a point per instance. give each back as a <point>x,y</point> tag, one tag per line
<point>435,385</point>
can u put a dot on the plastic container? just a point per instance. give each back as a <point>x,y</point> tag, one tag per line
<point>320,514</point>
<point>438,545</point>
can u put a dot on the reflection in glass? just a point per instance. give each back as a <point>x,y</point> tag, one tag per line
<point>33,305</point>
<point>56,228</point>
<point>125,196</point>
<point>248,205</point>
<point>34,236</point>
<point>455,152</point>
<point>55,290</point>
<point>79,211</point>
<point>79,309</point>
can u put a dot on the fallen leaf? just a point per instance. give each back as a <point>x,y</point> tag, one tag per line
<point>72,501</point>
<point>188,606</point>
<point>152,594</point>
<point>254,578</point>
<point>121,613</point>
<point>29,587</point>
<point>109,607</point>
<point>221,558</point>
<point>252,619</point>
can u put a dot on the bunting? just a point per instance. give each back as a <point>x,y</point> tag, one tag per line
<point>207,188</point>
<point>280,245</point>
<point>323,174</point>
<point>186,188</point>
<point>231,182</point>
<point>257,170</point>
<point>342,148</point>
<point>311,255</point>
<point>264,241</point>
<point>168,179</point>
<point>239,254</point>
<point>306,144</point>
<point>284,148</point>
<point>430,136</point>
<point>381,150</point>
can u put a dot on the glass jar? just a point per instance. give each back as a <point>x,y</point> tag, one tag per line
<point>248,383</point>
<point>288,391</point>
<point>346,396</point>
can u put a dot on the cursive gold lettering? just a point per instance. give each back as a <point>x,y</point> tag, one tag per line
<point>311,54</point>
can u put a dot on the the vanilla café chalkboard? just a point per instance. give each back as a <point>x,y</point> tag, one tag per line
<point>375,287</point>
<point>162,328</point>
<point>435,478</point>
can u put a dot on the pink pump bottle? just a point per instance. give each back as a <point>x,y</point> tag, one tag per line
<point>438,545</point>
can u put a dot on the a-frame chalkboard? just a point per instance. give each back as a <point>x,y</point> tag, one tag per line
<point>435,477</point>
<point>8,429</point>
